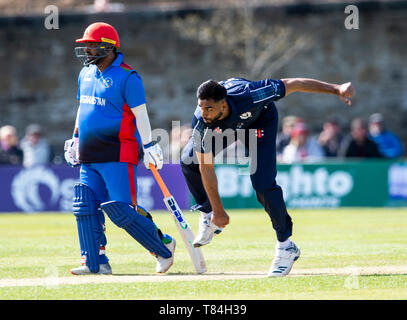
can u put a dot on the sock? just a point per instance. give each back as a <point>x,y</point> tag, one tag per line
<point>284,244</point>
<point>207,215</point>
<point>102,255</point>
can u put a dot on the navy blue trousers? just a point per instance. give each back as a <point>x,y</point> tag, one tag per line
<point>263,179</point>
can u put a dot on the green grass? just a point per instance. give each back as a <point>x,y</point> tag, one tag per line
<point>315,287</point>
<point>45,245</point>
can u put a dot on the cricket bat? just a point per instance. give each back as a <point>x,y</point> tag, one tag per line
<point>182,225</point>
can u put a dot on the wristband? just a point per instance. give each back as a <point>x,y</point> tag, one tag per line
<point>148,145</point>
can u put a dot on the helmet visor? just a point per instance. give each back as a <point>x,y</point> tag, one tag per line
<point>92,54</point>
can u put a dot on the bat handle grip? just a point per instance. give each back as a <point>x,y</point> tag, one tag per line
<point>160,181</point>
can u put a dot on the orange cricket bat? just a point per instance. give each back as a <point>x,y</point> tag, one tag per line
<point>182,225</point>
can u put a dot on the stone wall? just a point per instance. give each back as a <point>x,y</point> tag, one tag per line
<point>39,81</point>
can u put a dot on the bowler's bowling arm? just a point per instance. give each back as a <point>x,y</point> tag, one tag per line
<point>210,183</point>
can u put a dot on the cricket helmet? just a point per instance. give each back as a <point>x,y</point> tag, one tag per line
<point>98,32</point>
<point>101,32</point>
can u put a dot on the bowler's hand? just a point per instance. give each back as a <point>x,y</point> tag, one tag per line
<point>220,219</point>
<point>346,92</point>
<point>153,155</point>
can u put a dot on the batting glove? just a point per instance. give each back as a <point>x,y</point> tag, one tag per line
<point>154,155</point>
<point>71,149</point>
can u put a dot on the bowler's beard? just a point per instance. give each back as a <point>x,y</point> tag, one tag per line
<point>214,120</point>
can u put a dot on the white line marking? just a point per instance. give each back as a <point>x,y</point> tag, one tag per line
<point>99,279</point>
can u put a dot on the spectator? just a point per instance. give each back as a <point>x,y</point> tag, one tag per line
<point>388,143</point>
<point>101,5</point>
<point>302,147</point>
<point>283,137</point>
<point>331,137</point>
<point>10,152</point>
<point>358,144</point>
<point>36,149</point>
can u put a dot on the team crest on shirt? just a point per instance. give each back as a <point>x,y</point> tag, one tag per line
<point>245,115</point>
<point>107,82</point>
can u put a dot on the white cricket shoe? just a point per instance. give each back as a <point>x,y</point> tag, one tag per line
<point>284,260</point>
<point>163,264</point>
<point>206,230</point>
<point>84,270</point>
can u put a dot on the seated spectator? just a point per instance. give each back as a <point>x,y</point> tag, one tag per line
<point>331,137</point>
<point>283,137</point>
<point>358,144</point>
<point>10,152</point>
<point>36,149</point>
<point>302,147</point>
<point>388,143</point>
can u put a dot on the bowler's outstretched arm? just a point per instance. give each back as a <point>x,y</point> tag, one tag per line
<point>345,91</point>
<point>206,166</point>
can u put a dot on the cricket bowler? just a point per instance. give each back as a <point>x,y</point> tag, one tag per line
<point>236,104</point>
<point>111,124</point>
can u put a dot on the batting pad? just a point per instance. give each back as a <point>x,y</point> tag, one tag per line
<point>85,209</point>
<point>139,227</point>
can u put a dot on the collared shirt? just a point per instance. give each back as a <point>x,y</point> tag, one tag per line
<point>248,102</point>
<point>107,126</point>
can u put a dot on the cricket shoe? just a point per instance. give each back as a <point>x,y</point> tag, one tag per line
<point>206,230</point>
<point>84,270</point>
<point>163,264</point>
<point>283,260</point>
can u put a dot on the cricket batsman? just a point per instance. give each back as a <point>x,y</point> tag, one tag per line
<point>111,124</point>
<point>236,104</point>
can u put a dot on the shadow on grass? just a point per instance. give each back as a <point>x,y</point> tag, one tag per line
<point>382,275</point>
<point>189,274</point>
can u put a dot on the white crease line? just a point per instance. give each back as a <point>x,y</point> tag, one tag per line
<point>99,279</point>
